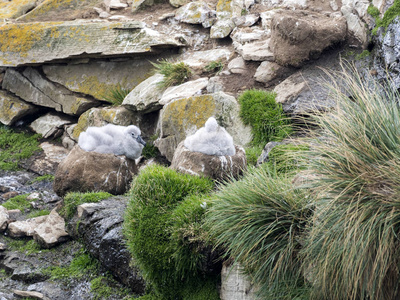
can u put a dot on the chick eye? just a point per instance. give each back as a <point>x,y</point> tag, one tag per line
<point>133,134</point>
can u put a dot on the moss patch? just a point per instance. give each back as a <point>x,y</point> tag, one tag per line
<point>16,146</point>
<point>387,18</point>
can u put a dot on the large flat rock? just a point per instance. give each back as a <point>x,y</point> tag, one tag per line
<point>35,43</point>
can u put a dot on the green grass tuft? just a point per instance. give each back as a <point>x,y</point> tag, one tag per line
<point>252,154</point>
<point>150,150</point>
<point>260,221</point>
<point>116,95</point>
<point>18,202</point>
<point>214,67</point>
<point>174,73</point>
<point>259,109</point>
<point>390,14</point>
<point>73,200</point>
<point>286,158</point>
<point>16,146</point>
<point>48,177</point>
<point>25,246</point>
<point>82,265</point>
<point>352,249</point>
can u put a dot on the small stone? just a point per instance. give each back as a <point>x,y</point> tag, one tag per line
<point>33,196</point>
<point>27,294</point>
<point>3,246</point>
<point>10,195</point>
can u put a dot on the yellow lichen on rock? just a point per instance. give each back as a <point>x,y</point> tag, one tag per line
<point>21,38</point>
<point>16,8</point>
<point>190,112</point>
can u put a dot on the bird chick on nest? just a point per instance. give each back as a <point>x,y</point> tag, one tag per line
<point>211,139</point>
<point>113,139</point>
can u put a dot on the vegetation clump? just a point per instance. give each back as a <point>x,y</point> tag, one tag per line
<point>215,66</point>
<point>391,13</point>
<point>116,95</point>
<point>260,221</point>
<point>18,202</point>
<point>174,73</point>
<point>73,200</point>
<point>150,150</point>
<point>286,158</point>
<point>16,146</point>
<point>162,228</point>
<point>259,109</point>
<point>352,247</point>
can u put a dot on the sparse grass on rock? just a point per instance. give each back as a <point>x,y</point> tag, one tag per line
<point>174,73</point>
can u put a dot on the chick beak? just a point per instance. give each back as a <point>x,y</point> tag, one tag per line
<point>140,140</point>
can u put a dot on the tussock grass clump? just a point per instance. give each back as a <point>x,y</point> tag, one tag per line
<point>287,158</point>
<point>174,73</point>
<point>259,109</point>
<point>15,146</point>
<point>18,202</point>
<point>353,250</point>
<point>259,221</point>
<point>215,66</point>
<point>155,223</point>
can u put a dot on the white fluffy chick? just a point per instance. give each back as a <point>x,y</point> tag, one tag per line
<point>113,139</point>
<point>211,139</point>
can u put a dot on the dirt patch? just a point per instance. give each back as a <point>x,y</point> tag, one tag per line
<point>236,84</point>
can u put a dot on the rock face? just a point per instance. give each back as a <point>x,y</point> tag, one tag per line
<point>3,218</point>
<point>99,226</point>
<point>13,108</point>
<point>298,36</point>
<point>31,86</point>
<point>83,171</point>
<point>47,41</point>
<point>216,167</point>
<point>183,117</point>
<point>234,284</point>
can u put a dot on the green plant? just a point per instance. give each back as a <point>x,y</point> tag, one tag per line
<point>18,202</point>
<point>16,146</point>
<point>174,73</point>
<point>252,154</point>
<point>284,158</point>
<point>259,109</point>
<point>73,200</point>
<point>116,95</point>
<point>38,213</point>
<point>390,14</point>
<point>260,221</point>
<point>148,226</point>
<point>82,265</point>
<point>352,249</point>
<point>48,177</point>
<point>150,150</point>
<point>215,66</point>
<point>26,246</point>
<point>363,55</point>
<point>104,287</point>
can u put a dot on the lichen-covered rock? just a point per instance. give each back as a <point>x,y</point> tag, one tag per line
<point>354,11</point>
<point>298,35</point>
<point>33,87</point>
<point>145,97</point>
<point>16,8</point>
<point>196,13</point>
<point>218,168</point>
<point>200,59</point>
<point>83,171</point>
<point>43,8</point>
<point>99,227</point>
<point>100,78</point>
<point>41,42</point>
<point>139,4</point>
<point>13,108</point>
<point>51,232</point>
<point>222,28</point>
<point>184,117</point>
<point>184,90</point>
<point>50,125</point>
